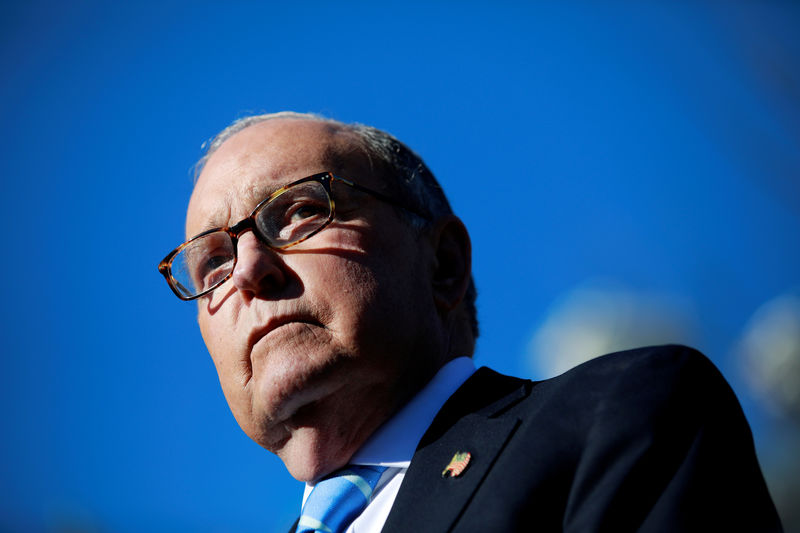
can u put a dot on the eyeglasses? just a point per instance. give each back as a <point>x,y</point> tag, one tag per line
<point>286,217</point>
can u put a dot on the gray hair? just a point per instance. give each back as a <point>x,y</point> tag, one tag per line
<point>412,179</point>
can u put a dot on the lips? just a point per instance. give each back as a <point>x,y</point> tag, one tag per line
<point>277,322</point>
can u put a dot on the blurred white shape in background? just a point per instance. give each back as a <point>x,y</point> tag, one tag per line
<point>769,351</point>
<point>598,318</point>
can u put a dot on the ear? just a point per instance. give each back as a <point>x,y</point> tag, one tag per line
<point>452,265</point>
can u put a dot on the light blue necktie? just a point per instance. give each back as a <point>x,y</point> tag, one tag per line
<point>338,499</point>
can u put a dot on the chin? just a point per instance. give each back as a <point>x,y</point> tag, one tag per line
<point>308,458</point>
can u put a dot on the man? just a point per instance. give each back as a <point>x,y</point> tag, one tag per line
<point>334,294</point>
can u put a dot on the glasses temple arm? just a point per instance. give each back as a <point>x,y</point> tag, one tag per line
<point>381,196</point>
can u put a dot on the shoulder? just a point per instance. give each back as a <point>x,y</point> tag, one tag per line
<point>648,439</point>
<point>639,379</point>
<point>644,380</point>
<point>665,363</point>
<point>643,412</point>
<point>652,398</point>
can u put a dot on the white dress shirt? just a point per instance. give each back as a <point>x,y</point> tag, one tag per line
<point>394,443</point>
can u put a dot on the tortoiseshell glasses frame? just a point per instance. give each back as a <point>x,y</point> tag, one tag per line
<point>280,221</point>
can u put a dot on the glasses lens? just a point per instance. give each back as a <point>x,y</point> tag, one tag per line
<point>203,263</point>
<point>295,214</point>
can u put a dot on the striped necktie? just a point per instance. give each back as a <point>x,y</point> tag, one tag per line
<point>338,499</point>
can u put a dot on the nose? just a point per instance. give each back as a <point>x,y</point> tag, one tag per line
<point>259,269</point>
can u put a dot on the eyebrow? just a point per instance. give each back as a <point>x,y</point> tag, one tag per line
<point>210,225</point>
<point>256,194</point>
<point>261,191</point>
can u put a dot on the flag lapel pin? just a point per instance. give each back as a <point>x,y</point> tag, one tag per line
<point>457,464</point>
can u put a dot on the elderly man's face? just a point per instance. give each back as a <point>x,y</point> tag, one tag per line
<point>317,345</point>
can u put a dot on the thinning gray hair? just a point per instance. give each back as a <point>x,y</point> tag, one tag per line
<point>411,179</point>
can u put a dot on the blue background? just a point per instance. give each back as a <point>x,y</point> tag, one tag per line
<point>649,147</point>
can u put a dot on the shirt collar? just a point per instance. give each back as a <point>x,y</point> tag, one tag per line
<point>394,443</point>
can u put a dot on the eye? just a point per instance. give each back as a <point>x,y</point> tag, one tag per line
<point>213,268</point>
<point>294,214</point>
<point>213,264</point>
<point>203,262</point>
<point>208,260</point>
<point>303,210</point>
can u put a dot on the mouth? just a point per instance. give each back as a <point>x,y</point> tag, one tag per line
<point>275,323</point>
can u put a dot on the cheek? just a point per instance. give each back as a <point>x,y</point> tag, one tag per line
<point>234,376</point>
<point>374,304</point>
<point>211,335</point>
<point>336,284</point>
<point>352,296</point>
<point>232,369</point>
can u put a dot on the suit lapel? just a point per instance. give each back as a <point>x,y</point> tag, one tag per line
<point>470,421</point>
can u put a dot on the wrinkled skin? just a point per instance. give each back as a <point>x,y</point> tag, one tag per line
<point>317,345</point>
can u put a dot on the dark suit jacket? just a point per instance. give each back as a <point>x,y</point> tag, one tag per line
<point>645,440</point>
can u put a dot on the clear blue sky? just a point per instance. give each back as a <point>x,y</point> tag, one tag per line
<point>653,145</point>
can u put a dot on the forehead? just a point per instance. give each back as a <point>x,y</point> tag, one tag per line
<point>263,157</point>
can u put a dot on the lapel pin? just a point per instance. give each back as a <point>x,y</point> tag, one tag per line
<point>457,464</point>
